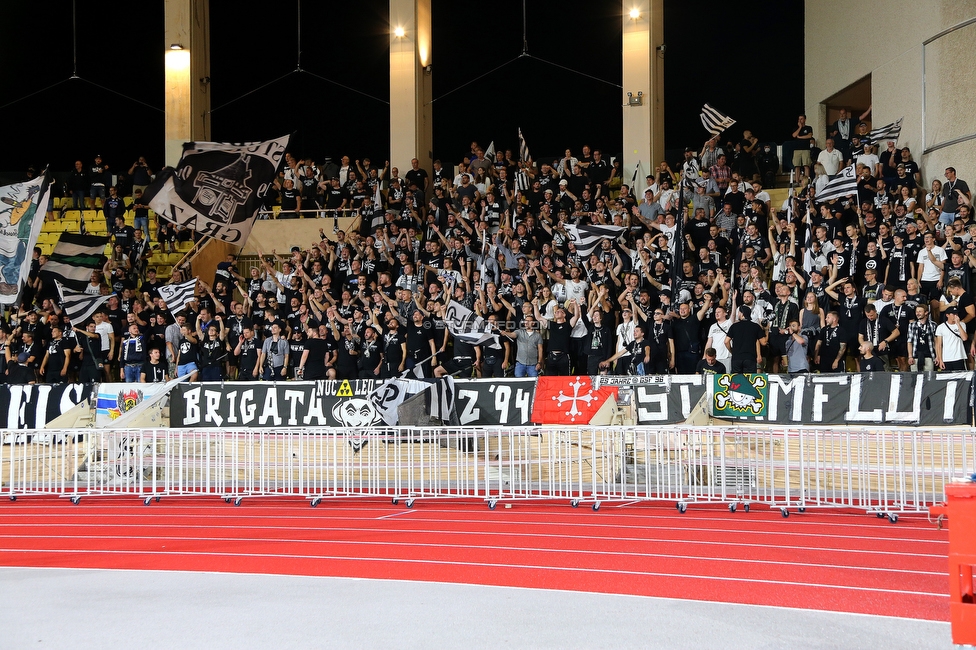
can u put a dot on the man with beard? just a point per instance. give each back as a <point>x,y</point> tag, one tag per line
<point>831,346</point>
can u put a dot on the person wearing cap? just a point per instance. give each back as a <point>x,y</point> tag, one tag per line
<point>950,343</point>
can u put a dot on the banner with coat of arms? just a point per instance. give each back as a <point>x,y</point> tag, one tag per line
<point>116,399</point>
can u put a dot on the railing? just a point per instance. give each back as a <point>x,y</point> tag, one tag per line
<point>880,471</point>
<point>318,213</point>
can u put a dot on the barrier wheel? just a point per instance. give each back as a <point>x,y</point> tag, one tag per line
<point>786,513</point>
<point>492,504</point>
<point>574,503</point>
<point>893,518</point>
<point>13,497</point>
<point>395,501</point>
<point>682,507</point>
<point>596,506</point>
<point>158,498</point>
<point>801,509</point>
<point>408,503</point>
<point>147,501</point>
<point>315,502</point>
<point>226,499</point>
<point>237,501</point>
<point>879,515</point>
<point>746,507</point>
<point>731,507</point>
<point>75,500</point>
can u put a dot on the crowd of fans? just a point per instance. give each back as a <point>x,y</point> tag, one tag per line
<point>706,276</point>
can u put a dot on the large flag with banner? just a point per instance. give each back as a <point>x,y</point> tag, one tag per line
<point>841,185</point>
<point>177,295</point>
<point>739,396</point>
<point>568,400</point>
<point>22,210</point>
<point>77,305</point>
<point>73,260</point>
<point>587,238</point>
<point>714,120</point>
<point>217,188</point>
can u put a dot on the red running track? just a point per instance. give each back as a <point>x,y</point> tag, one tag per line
<point>835,561</point>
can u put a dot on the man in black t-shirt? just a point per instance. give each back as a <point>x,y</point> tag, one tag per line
<point>394,349</point>
<point>153,370</point>
<point>417,175</point>
<point>54,368</point>
<point>744,340</point>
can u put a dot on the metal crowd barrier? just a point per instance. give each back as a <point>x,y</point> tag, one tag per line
<point>885,471</point>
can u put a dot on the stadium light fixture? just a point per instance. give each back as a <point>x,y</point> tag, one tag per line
<point>176,46</point>
<point>634,13</point>
<point>398,32</point>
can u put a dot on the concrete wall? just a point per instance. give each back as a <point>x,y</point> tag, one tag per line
<point>838,53</point>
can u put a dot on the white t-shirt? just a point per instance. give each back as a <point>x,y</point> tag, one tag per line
<point>625,334</point>
<point>575,290</point>
<point>953,348</point>
<point>104,329</point>
<point>931,272</point>
<point>717,332</point>
<point>869,160</point>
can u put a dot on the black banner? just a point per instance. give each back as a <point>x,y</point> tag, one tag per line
<point>494,401</point>
<point>927,399</point>
<point>32,406</point>
<point>284,404</point>
<point>898,399</point>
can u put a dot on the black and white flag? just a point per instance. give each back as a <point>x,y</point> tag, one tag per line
<point>490,152</point>
<point>177,295</point>
<point>523,148</point>
<point>886,132</point>
<point>79,306</point>
<point>218,188</point>
<point>841,185</point>
<point>440,398</point>
<point>73,260</point>
<point>714,121</point>
<point>464,324</point>
<point>587,238</point>
<point>522,181</point>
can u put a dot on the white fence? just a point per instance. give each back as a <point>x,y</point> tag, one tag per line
<point>883,471</point>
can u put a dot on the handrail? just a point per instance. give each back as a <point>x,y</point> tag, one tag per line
<point>320,213</point>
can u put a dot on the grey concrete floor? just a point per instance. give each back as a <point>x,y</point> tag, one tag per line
<point>78,609</point>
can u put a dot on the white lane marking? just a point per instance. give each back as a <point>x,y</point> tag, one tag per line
<point>490,565</point>
<point>487,547</point>
<point>397,514</point>
<point>518,519</point>
<point>660,540</point>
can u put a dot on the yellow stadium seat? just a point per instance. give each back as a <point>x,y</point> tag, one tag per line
<point>163,271</point>
<point>46,249</point>
<point>51,226</point>
<point>184,246</point>
<point>70,225</point>
<point>128,201</point>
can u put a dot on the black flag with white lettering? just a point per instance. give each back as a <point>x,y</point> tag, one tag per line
<point>218,188</point>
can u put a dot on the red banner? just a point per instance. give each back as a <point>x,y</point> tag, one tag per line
<point>568,400</point>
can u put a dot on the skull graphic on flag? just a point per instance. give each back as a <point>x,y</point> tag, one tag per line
<point>739,396</point>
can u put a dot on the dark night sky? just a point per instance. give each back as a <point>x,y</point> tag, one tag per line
<point>747,61</point>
